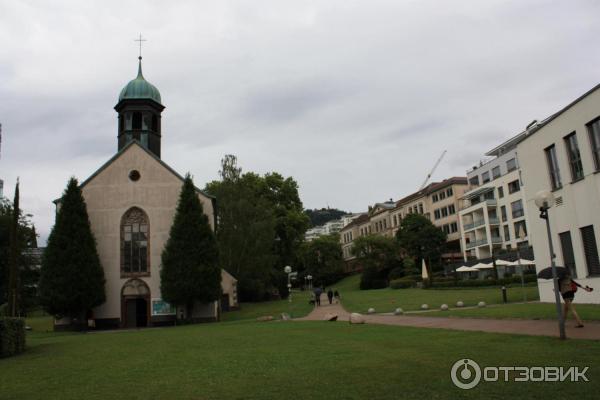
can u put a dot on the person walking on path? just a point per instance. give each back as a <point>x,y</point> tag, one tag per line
<point>330,296</point>
<point>318,292</point>
<point>336,296</point>
<point>568,287</point>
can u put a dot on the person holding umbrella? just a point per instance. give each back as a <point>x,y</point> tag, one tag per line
<point>318,292</point>
<point>567,287</point>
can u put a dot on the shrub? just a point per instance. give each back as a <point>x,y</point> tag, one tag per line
<point>396,273</point>
<point>403,283</point>
<point>12,336</point>
<point>371,278</point>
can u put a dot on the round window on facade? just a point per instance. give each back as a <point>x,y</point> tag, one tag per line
<point>134,175</point>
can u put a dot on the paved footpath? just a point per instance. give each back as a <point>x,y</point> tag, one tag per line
<point>516,326</point>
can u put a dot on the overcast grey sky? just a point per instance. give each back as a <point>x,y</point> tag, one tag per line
<point>354,99</point>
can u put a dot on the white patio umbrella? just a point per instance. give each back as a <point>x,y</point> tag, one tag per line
<point>504,262</point>
<point>482,266</point>
<point>523,262</point>
<point>464,268</point>
<point>424,273</point>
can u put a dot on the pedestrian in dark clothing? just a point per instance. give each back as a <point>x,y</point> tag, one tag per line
<point>318,292</point>
<point>336,296</point>
<point>567,288</point>
<point>330,296</point>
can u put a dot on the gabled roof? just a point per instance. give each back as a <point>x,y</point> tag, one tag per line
<point>123,150</point>
<point>357,221</point>
<point>432,187</point>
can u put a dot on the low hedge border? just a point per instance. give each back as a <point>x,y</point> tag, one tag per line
<point>12,336</point>
<point>449,282</point>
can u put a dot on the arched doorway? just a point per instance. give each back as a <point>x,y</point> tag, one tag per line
<point>135,304</point>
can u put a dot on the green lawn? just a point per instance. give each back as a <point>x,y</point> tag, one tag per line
<point>520,311</point>
<point>386,300</point>
<point>276,360</point>
<point>299,307</point>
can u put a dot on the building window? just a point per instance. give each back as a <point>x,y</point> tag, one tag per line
<point>517,209</point>
<point>451,209</point>
<point>496,172</point>
<point>384,224</point>
<point>594,130</point>
<point>449,192</point>
<point>511,164</point>
<point>591,250</point>
<point>137,120</point>
<point>436,214</point>
<point>395,221</point>
<point>553,169</point>
<point>444,212</point>
<point>567,250</point>
<point>506,233</point>
<point>485,177</point>
<point>442,195</point>
<point>453,227</point>
<point>434,198</point>
<point>474,181</point>
<point>420,208</point>
<point>520,228</point>
<point>574,157</point>
<point>514,186</point>
<point>503,213</point>
<point>500,192</point>
<point>135,234</point>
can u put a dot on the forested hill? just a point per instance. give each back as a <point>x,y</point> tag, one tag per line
<point>319,217</point>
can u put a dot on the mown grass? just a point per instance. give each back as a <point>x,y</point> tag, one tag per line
<point>275,360</point>
<point>386,300</point>
<point>298,307</point>
<point>590,312</point>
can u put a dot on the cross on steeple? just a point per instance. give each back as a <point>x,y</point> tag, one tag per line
<point>140,40</point>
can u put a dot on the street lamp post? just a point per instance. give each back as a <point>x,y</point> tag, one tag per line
<point>545,200</point>
<point>309,277</point>
<point>288,271</point>
<point>521,236</point>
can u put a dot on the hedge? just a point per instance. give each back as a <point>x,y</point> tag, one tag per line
<point>485,282</point>
<point>403,283</point>
<point>12,336</point>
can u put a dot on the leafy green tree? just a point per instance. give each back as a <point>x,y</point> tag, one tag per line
<point>322,258</point>
<point>27,270</point>
<point>190,263</point>
<point>246,229</point>
<point>320,217</point>
<point>378,255</point>
<point>420,239</point>
<point>72,279</point>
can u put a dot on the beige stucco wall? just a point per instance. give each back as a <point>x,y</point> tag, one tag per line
<point>110,194</point>
<point>580,200</point>
<point>229,287</point>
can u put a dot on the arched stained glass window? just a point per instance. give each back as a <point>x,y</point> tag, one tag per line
<point>135,236</point>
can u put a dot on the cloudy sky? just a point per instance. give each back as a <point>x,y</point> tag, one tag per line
<point>354,99</point>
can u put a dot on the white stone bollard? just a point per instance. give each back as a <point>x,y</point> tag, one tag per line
<point>424,307</point>
<point>398,311</point>
<point>481,304</point>
<point>371,311</point>
<point>444,307</point>
<point>460,304</point>
<point>356,318</point>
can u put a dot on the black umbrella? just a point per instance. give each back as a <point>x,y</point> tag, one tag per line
<point>546,273</point>
<point>318,291</point>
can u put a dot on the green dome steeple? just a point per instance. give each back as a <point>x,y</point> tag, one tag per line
<point>140,88</point>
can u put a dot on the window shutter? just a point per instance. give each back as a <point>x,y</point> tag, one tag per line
<point>591,250</point>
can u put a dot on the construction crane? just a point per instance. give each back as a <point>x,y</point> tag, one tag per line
<point>432,170</point>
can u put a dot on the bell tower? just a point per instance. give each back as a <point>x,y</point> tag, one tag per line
<point>139,108</point>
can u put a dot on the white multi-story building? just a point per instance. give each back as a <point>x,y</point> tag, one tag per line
<point>329,227</point>
<point>562,154</point>
<point>493,213</point>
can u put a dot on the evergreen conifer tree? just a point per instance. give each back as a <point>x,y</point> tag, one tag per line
<point>72,279</point>
<point>190,268</point>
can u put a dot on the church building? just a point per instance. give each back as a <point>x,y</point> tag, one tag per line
<point>131,202</point>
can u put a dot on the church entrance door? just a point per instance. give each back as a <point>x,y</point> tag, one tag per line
<point>135,297</point>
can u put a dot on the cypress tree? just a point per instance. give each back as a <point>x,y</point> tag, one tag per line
<point>190,269</point>
<point>14,251</point>
<point>72,279</point>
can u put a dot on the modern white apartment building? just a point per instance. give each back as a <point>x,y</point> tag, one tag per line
<point>492,212</point>
<point>562,154</point>
<point>329,227</point>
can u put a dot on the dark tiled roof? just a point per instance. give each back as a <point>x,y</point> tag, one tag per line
<point>432,187</point>
<point>357,221</point>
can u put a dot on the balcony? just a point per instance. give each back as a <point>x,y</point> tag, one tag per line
<point>497,240</point>
<point>483,203</point>
<point>477,243</point>
<point>494,221</point>
<point>474,224</point>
